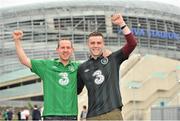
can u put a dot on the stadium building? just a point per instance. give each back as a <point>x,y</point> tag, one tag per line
<point>148,78</point>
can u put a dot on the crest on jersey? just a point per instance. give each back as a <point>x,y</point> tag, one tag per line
<point>71,68</point>
<point>104,61</point>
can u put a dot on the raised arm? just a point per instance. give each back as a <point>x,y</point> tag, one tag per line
<point>131,41</point>
<point>17,36</point>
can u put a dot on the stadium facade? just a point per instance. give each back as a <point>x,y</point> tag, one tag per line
<point>156,26</point>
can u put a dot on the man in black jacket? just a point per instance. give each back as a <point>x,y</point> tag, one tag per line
<point>101,75</point>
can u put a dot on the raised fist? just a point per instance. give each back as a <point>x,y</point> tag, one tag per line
<point>117,19</point>
<point>17,35</point>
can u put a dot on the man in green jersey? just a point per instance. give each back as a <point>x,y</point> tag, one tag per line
<point>59,79</point>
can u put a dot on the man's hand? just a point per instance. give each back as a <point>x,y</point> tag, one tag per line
<point>17,35</point>
<point>106,53</point>
<point>117,19</point>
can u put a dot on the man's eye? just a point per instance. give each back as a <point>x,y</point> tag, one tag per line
<point>98,42</point>
<point>92,42</point>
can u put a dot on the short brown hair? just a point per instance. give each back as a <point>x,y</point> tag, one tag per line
<point>61,39</point>
<point>95,34</point>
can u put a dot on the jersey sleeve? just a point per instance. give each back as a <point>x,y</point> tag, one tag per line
<point>38,67</point>
<point>119,56</point>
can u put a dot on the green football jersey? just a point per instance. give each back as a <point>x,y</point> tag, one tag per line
<point>59,86</point>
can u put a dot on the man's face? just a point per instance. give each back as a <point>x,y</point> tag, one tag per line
<point>96,45</point>
<point>65,50</point>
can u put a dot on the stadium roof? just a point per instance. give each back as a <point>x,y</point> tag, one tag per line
<point>148,5</point>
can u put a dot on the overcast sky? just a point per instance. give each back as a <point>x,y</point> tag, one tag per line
<point>5,3</point>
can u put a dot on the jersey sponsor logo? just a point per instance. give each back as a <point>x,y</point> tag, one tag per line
<point>99,78</point>
<point>64,79</point>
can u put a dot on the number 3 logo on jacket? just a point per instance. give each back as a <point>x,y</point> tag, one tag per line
<point>99,78</point>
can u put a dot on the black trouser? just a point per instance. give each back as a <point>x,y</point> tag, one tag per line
<point>59,118</point>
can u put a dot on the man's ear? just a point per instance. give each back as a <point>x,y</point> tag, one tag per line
<point>56,49</point>
<point>73,49</point>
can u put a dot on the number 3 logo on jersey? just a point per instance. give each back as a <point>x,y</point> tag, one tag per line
<point>99,78</point>
<point>64,79</point>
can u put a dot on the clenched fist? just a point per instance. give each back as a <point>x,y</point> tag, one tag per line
<point>117,19</point>
<point>17,35</point>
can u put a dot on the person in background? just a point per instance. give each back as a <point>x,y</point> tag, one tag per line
<point>36,114</point>
<point>9,115</point>
<point>19,114</point>
<point>83,113</point>
<point>4,115</point>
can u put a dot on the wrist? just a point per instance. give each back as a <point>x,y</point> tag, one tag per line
<point>17,41</point>
<point>122,23</point>
<point>124,26</point>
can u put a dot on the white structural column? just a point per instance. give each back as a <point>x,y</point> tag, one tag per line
<point>108,23</point>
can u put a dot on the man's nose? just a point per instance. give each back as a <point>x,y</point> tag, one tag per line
<point>66,49</point>
<point>96,44</point>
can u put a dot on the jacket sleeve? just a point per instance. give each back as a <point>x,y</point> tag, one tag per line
<point>130,45</point>
<point>80,83</point>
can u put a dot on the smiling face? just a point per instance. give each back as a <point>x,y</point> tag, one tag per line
<point>64,50</point>
<point>96,44</point>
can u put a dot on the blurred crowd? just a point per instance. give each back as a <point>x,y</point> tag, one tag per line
<point>21,114</point>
